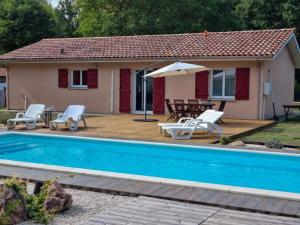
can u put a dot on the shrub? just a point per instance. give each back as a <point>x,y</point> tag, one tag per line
<point>225,140</point>
<point>275,143</point>
<point>34,203</point>
<point>9,209</point>
<point>5,115</point>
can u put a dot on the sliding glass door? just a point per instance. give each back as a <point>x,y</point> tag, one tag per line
<point>138,92</point>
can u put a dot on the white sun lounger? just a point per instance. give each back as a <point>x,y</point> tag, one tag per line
<point>71,117</point>
<point>186,132</point>
<point>33,114</point>
<point>185,120</point>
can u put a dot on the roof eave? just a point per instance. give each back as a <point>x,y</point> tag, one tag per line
<point>293,48</point>
<point>93,60</point>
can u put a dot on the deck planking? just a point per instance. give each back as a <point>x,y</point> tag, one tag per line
<point>178,193</point>
<point>150,211</point>
<point>116,126</point>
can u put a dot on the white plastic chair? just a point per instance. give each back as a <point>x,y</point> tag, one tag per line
<point>71,117</point>
<point>33,114</point>
<point>186,132</point>
<point>184,121</point>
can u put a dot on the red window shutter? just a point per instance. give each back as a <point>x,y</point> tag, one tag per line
<point>158,105</point>
<point>63,78</point>
<point>201,91</point>
<point>92,78</point>
<point>242,83</point>
<point>125,90</point>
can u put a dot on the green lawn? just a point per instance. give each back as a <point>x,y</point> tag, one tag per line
<point>288,132</point>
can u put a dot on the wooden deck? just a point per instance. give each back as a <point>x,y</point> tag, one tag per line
<point>123,127</point>
<point>195,195</point>
<point>150,211</point>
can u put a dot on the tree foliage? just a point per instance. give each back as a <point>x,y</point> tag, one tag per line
<point>262,14</point>
<point>125,17</point>
<point>67,13</point>
<point>25,21</point>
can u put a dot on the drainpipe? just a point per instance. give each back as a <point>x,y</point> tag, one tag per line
<point>112,92</point>
<point>25,103</point>
<point>6,91</point>
<point>260,104</point>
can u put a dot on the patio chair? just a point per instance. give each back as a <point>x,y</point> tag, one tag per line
<point>193,108</point>
<point>221,109</point>
<point>180,108</point>
<point>170,109</point>
<point>33,114</point>
<point>184,121</point>
<point>71,117</point>
<point>186,132</point>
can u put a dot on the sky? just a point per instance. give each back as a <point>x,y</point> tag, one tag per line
<point>54,2</point>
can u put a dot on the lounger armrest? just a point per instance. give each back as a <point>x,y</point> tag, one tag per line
<point>60,115</point>
<point>20,115</point>
<point>184,119</point>
<point>209,124</point>
<point>39,116</point>
<point>80,117</point>
<point>202,122</point>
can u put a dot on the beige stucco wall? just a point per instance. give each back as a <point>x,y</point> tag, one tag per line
<point>282,72</point>
<point>40,83</point>
<point>184,88</point>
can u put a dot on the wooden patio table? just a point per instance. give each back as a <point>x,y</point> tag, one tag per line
<point>287,108</point>
<point>48,113</point>
<point>206,105</point>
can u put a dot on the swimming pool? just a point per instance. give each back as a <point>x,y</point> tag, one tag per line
<point>277,172</point>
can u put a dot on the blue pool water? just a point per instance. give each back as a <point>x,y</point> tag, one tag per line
<point>244,169</point>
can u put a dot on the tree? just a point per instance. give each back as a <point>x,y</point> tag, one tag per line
<point>268,14</point>
<point>67,13</point>
<point>23,22</point>
<point>126,17</point>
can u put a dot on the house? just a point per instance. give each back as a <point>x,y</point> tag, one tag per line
<point>104,73</point>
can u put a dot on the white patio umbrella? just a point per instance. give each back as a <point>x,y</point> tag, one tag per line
<point>175,69</point>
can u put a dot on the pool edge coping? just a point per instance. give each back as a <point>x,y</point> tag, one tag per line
<point>133,177</point>
<point>177,182</point>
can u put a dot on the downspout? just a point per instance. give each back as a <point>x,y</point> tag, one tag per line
<point>25,102</point>
<point>6,91</point>
<point>260,104</point>
<point>112,92</point>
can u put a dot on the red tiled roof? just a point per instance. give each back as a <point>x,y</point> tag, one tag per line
<point>254,44</point>
<point>3,72</point>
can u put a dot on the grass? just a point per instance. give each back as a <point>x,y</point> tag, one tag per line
<point>287,132</point>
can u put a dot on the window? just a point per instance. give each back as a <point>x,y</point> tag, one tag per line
<point>79,78</point>
<point>2,79</point>
<point>223,83</point>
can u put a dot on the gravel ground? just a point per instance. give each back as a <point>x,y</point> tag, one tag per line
<point>85,205</point>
